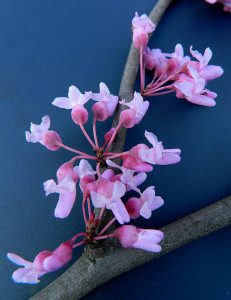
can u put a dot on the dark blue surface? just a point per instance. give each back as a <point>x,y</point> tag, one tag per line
<point>47,46</point>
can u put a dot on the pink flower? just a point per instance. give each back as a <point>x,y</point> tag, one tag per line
<point>144,205</point>
<point>158,155</point>
<point>75,101</point>
<point>154,58</point>
<point>86,175</point>
<point>137,109</point>
<point>141,26</point>
<point>66,187</point>
<point>106,103</point>
<point>134,161</point>
<point>175,64</point>
<point>41,133</point>
<point>193,89</point>
<point>133,237</point>
<point>44,262</point>
<point>108,135</point>
<point>108,194</point>
<point>208,72</point>
<point>128,178</point>
<point>67,190</point>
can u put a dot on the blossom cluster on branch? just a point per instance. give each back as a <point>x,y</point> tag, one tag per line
<point>107,189</point>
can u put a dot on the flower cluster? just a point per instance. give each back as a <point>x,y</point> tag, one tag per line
<point>105,185</point>
<point>105,189</point>
<point>175,72</point>
<point>226,3</point>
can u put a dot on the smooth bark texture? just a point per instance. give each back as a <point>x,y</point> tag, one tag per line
<point>96,266</point>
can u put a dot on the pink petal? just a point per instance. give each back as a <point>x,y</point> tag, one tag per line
<point>18,260</point>
<point>65,204</point>
<point>120,212</point>
<point>63,102</point>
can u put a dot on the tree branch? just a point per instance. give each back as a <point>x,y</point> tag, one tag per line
<point>96,266</point>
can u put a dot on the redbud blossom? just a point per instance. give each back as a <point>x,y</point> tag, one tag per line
<point>106,103</point>
<point>158,155</point>
<point>44,262</point>
<point>75,101</point>
<point>41,133</point>
<point>141,27</point>
<point>133,237</point>
<point>108,194</point>
<point>137,109</point>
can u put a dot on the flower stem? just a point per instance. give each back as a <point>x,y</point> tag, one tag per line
<point>107,226</point>
<point>142,71</point>
<point>95,133</point>
<point>85,155</point>
<point>117,155</point>
<point>113,136</point>
<point>104,236</point>
<point>84,210</point>
<point>89,206</point>
<point>87,136</point>
<point>78,244</point>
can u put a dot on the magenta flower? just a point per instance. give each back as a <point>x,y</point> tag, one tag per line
<point>106,103</point>
<point>108,194</point>
<point>144,205</point>
<point>137,109</point>
<point>41,133</point>
<point>44,262</point>
<point>141,26</point>
<point>208,72</point>
<point>133,237</point>
<point>193,89</point>
<point>75,101</point>
<point>134,161</point>
<point>128,178</point>
<point>154,58</point>
<point>157,155</point>
<point>86,175</point>
<point>67,190</point>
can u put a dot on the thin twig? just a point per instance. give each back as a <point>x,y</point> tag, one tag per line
<point>85,274</point>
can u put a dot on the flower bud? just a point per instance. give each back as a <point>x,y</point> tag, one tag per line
<point>79,114</point>
<point>50,140</point>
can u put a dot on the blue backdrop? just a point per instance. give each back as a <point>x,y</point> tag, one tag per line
<point>47,46</point>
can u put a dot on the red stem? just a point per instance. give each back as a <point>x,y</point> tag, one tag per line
<point>95,133</point>
<point>106,226</point>
<point>87,136</point>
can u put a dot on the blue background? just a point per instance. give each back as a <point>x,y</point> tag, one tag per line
<point>47,46</point>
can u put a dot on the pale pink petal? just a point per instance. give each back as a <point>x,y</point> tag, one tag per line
<point>119,190</point>
<point>63,102</point>
<point>65,204</point>
<point>120,212</point>
<point>18,260</point>
<point>98,200</point>
<point>151,138</point>
<point>26,275</point>
<point>211,72</point>
<point>52,263</point>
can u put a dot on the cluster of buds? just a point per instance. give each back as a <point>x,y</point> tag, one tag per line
<point>174,72</point>
<point>107,188</point>
<point>226,3</point>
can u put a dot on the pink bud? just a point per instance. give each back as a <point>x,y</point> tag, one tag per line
<point>133,206</point>
<point>79,114</point>
<point>100,111</point>
<point>67,169</point>
<point>127,235</point>
<point>50,140</point>
<point>109,134</point>
<point>127,118</point>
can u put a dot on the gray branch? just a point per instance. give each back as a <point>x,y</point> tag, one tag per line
<point>96,266</point>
